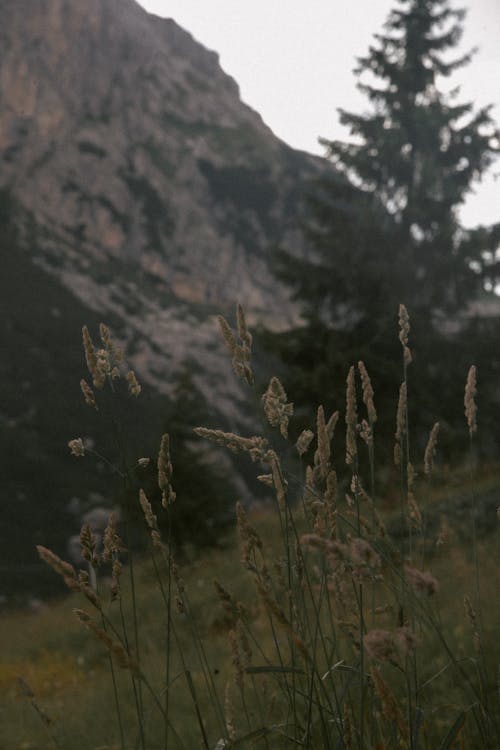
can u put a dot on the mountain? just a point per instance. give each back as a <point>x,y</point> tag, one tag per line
<point>138,189</point>
<point>123,136</point>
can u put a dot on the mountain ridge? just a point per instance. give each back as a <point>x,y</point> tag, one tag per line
<point>133,143</point>
<point>138,190</point>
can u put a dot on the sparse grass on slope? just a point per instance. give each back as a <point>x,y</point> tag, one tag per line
<point>342,619</point>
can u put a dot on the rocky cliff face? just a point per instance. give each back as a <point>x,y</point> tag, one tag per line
<point>125,139</point>
<point>135,188</point>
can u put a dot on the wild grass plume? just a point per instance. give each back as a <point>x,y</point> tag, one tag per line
<point>336,636</point>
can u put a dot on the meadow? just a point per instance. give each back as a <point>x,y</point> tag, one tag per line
<point>345,613</point>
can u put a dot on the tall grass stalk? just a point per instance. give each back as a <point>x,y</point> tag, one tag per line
<point>330,652</point>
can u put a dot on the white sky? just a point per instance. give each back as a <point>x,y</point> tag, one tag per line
<point>293,61</point>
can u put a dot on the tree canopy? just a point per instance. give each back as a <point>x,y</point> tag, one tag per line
<point>385,229</point>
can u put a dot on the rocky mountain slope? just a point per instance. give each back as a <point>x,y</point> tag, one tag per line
<point>124,137</point>
<point>147,179</point>
<point>135,188</point>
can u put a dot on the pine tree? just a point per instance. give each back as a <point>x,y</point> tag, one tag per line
<point>386,228</point>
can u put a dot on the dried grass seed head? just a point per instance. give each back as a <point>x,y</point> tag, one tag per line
<point>351,418</point>
<point>60,566</point>
<point>470,612</point>
<point>330,548</point>
<point>389,704</point>
<point>411,475</point>
<point>266,479</point>
<point>116,572</point>
<point>387,645</point>
<point>368,393</point>
<point>89,350</point>
<point>366,432</point>
<point>397,454</point>
<point>89,592</point>
<point>106,338</point>
<point>276,408</point>
<point>102,363</point>
<point>323,452</point>
<point>244,643</point>
<point>430,450</point>
<point>280,484</point>
<point>444,531</point>
<point>88,544</point>
<point>149,516</point>
<point>347,728</point>
<point>256,446</point>
<point>379,645</point>
<point>470,400</point>
<point>271,605</point>
<point>414,513</point>
<point>165,471</point>
<point>243,332</point>
<point>114,647</point>
<point>103,366</point>
<point>406,641</point>
<point>250,540</point>
<point>227,334</point>
<point>88,393</point>
<point>422,582</point>
<point>331,424</point>
<point>112,543</point>
<point>404,329</point>
<point>226,600</point>
<point>401,426</point>
<point>236,659</point>
<point>330,499</point>
<point>240,352</point>
<point>401,413</point>
<point>76,447</point>
<point>134,387</point>
<point>362,554</point>
<point>304,441</point>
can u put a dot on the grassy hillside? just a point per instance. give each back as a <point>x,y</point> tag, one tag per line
<point>342,616</point>
<point>68,669</point>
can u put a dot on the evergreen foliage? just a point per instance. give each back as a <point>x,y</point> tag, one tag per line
<point>390,230</point>
<point>386,230</point>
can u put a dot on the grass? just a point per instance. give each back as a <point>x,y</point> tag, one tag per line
<point>340,618</point>
<point>68,671</point>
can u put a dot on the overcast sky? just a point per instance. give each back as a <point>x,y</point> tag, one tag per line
<point>293,61</point>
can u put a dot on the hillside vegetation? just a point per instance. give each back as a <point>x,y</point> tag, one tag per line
<point>338,615</point>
